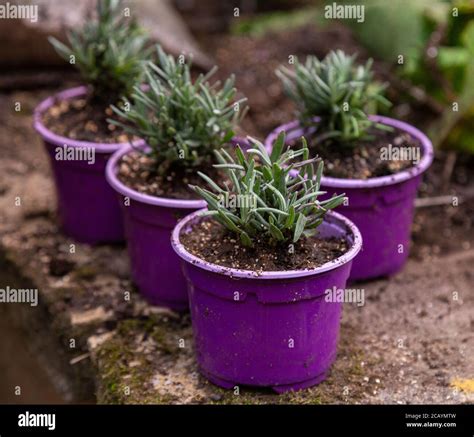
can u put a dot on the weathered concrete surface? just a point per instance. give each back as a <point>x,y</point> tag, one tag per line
<point>411,340</point>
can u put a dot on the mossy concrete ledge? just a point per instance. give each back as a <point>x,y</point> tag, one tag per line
<point>110,341</point>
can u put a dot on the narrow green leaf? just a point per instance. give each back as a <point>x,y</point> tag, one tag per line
<point>275,232</point>
<point>299,228</point>
<point>291,218</point>
<point>278,147</point>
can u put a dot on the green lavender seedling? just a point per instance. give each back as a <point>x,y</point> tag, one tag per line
<point>341,93</point>
<point>285,206</point>
<point>183,121</point>
<point>107,51</point>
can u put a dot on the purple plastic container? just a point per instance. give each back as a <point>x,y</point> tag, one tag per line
<point>382,207</point>
<point>275,329</point>
<point>149,221</point>
<point>87,206</point>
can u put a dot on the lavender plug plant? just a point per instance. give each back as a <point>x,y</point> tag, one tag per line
<point>284,207</point>
<point>107,51</point>
<point>182,120</point>
<point>341,93</point>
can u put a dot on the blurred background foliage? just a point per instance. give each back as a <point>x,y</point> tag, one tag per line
<point>436,40</point>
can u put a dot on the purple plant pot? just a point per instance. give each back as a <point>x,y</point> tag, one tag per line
<point>149,221</point>
<point>275,329</point>
<point>87,206</point>
<point>382,207</point>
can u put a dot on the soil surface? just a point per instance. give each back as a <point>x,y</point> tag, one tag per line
<point>140,172</point>
<point>448,227</point>
<point>368,158</point>
<point>78,119</point>
<point>210,241</point>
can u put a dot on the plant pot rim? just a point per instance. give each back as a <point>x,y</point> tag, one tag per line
<point>59,140</point>
<point>381,181</point>
<point>120,187</point>
<point>331,216</point>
